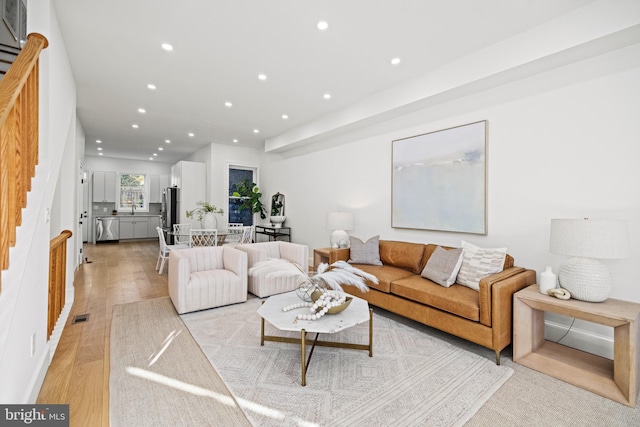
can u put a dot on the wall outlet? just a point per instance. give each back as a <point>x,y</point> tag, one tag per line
<point>33,344</point>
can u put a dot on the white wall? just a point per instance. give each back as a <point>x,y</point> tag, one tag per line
<point>100,163</point>
<point>563,144</point>
<point>218,158</point>
<point>23,300</point>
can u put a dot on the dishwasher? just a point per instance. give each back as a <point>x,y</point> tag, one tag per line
<point>107,229</point>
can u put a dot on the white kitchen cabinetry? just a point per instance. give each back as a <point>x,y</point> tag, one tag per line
<point>134,227</point>
<point>154,221</point>
<point>190,178</point>
<point>157,184</point>
<point>104,187</point>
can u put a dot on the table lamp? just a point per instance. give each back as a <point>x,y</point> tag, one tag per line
<point>339,222</point>
<point>584,240</point>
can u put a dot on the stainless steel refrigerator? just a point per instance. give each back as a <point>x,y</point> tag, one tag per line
<point>170,211</point>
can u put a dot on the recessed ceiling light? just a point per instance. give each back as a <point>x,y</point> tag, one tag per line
<point>228,104</point>
<point>395,61</point>
<point>98,141</point>
<point>191,134</point>
<point>134,126</point>
<point>168,141</point>
<point>151,86</point>
<point>235,140</point>
<point>167,47</point>
<point>141,110</point>
<point>99,154</point>
<point>256,131</point>
<point>284,116</point>
<point>160,148</point>
<point>150,158</point>
<point>99,149</point>
<point>327,96</point>
<point>155,154</point>
<point>323,25</point>
<point>262,76</point>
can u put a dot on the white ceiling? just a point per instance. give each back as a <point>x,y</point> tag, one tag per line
<point>220,47</point>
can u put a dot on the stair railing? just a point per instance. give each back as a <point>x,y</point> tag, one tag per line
<point>18,140</point>
<point>57,278</point>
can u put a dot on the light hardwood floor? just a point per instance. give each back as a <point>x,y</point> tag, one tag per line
<point>118,273</point>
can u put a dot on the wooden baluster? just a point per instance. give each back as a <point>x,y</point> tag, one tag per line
<point>18,139</point>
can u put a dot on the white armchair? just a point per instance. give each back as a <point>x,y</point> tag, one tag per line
<point>278,277</point>
<point>206,277</point>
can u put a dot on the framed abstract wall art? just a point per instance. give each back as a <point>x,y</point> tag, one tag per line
<point>439,180</point>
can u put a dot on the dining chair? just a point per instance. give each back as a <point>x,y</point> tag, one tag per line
<point>247,234</point>
<point>181,234</point>
<point>235,227</point>
<point>244,238</point>
<point>235,232</point>
<point>165,249</point>
<point>204,237</point>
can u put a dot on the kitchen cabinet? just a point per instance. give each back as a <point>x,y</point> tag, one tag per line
<point>157,183</point>
<point>134,227</point>
<point>104,186</point>
<point>154,221</point>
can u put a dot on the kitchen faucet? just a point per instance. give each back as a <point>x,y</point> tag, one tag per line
<point>133,208</point>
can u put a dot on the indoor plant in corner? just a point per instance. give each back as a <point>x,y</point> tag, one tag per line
<point>205,213</point>
<point>250,194</point>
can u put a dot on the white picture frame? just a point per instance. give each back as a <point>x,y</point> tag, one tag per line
<point>439,180</point>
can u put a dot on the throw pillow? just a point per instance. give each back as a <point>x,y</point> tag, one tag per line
<point>443,266</point>
<point>364,252</point>
<point>478,263</point>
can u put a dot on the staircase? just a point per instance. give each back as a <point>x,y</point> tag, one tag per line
<point>18,139</point>
<point>8,55</point>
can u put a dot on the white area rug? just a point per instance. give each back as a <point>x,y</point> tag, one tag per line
<point>413,379</point>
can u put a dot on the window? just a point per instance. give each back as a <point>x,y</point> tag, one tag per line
<point>134,192</point>
<point>237,175</point>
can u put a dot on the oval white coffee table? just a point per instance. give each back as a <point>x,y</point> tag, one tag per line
<point>271,310</point>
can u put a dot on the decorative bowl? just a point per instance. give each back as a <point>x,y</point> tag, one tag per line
<point>333,310</point>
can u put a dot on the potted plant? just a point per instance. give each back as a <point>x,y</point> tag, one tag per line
<point>203,211</point>
<point>250,198</point>
<point>277,210</point>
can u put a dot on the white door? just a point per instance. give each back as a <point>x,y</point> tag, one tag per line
<point>82,231</point>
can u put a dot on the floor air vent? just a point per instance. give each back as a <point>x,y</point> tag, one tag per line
<point>80,318</point>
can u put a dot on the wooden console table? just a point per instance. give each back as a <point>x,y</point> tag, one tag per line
<point>615,379</point>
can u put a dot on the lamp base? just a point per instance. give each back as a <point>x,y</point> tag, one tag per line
<point>586,279</point>
<point>339,239</point>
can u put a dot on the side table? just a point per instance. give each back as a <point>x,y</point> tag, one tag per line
<point>615,379</point>
<point>326,255</point>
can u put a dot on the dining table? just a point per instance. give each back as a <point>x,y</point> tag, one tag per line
<point>198,241</point>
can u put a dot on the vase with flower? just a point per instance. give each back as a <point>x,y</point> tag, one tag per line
<point>205,213</point>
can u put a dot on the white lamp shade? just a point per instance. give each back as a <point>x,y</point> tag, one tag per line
<point>339,221</point>
<point>590,238</point>
<point>584,240</point>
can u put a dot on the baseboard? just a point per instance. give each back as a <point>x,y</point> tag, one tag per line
<point>580,339</point>
<point>46,356</point>
<point>38,378</point>
<point>62,320</point>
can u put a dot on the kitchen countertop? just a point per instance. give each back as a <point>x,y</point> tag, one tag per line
<point>129,216</point>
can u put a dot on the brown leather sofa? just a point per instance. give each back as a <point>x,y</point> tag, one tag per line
<point>483,317</point>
